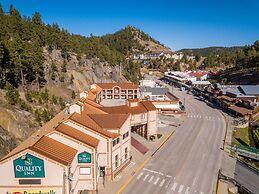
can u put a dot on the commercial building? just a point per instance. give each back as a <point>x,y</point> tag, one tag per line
<point>154,93</point>
<point>78,149</point>
<point>101,91</point>
<point>237,100</point>
<point>161,98</point>
<point>72,153</point>
<point>143,116</point>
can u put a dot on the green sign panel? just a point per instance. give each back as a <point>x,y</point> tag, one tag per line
<point>28,166</point>
<point>84,157</point>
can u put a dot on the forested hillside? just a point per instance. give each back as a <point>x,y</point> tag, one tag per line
<point>43,67</point>
<point>205,52</point>
<point>241,66</point>
<point>22,40</point>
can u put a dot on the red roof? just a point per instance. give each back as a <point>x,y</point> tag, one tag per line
<point>198,74</point>
<point>121,85</point>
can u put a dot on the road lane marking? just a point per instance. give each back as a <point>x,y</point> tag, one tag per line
<point>168,176</point>
<point>151,178</point>
<point>140,175</point>
<point>201,193</point>
<point>162,182</point>
<point>132,176</point>
<point>156,172</point>
<point>180,188</point>
<point>187,190</point>
<point>145,177</point>
<point>156,181</point>
<point>174,186</point>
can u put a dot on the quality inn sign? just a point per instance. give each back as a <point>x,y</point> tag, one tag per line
<point>28,166</point>
<point>84,157</point>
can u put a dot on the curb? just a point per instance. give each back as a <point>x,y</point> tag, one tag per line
<point>166,139</point>
<point>218,183</point>
<point>132,176</point>
<point>226,127</point>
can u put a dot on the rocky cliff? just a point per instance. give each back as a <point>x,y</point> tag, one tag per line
<point>16,124</point>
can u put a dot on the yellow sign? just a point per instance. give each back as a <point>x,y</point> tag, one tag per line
<point>50,191</point>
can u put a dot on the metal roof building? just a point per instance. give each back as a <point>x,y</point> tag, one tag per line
<point>250,90</point>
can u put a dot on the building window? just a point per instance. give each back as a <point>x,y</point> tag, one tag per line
<point>84,170</point>
<point>142,116</point>
<point>132,118</point>
<point>125,135</point>
<point>126,153</point>
<point>115,142</point>
<point>116,161</point>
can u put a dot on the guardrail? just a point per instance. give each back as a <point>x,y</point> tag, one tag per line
<point>244,151</point>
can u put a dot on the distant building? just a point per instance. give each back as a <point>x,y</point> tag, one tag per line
<point>198,76</point>
<point>159,54</point>
<point>154,93</point>
<point>101,91</point>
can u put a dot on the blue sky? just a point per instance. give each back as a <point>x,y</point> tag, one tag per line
<point>177,24</point>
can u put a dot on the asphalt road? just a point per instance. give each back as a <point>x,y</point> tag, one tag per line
<point>247,177</point>
<point>189,161</point>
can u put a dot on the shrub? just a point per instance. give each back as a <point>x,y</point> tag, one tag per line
<point>12,94</point>
<point>28,96</point>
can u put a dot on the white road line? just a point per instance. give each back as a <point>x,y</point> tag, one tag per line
<point>174,186</point>
<point>187,190</point>
<point>145,177</point>
<point>168,176</point>
<point>201,193</point>
<point>151,178</point>
<point>156,172</point>
<point>156,181</point>
<point>140,175</point>
<point>180,188</point>
<point>162,182</point>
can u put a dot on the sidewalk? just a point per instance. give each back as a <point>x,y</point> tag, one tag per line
<point>138,160</point>
<point>228,162</point>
